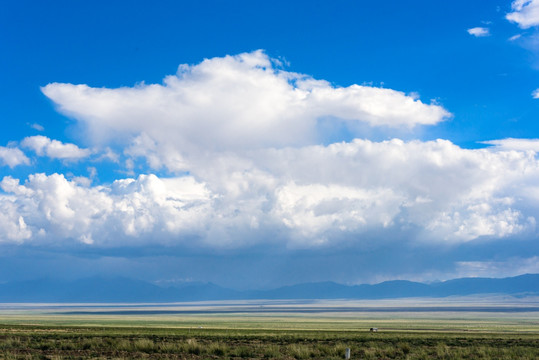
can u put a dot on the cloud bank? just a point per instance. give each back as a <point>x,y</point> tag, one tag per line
<point>246,133</point>
<point>311,196</point>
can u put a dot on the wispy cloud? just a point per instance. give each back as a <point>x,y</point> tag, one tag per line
<point>37,127</point>
<point>479,31</point>
<point>515,144</point>
<point>510,267</point>
<point>515,37</point>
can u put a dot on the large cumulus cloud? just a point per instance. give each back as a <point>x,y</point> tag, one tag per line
<point>50,208</point>
<point>246,133</point>
<point>229,104</point>
<point>311,196</point>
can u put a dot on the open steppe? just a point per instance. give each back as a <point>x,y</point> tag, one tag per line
<point>459,328</point>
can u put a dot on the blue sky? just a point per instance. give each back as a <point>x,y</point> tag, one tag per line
<point>261,144</point>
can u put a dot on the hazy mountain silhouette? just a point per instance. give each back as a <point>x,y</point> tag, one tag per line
<point>100,289</point>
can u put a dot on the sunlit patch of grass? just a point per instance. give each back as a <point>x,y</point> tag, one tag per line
<point>271,352</point>
<point>144,345</point>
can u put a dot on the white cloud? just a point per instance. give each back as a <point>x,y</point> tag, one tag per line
<point>245,132</point>
<point>316,209</point>
<point>12,157</point>
<point>515,144</point>
<point>303,197</point>
<point>43,146</point>
<point>37,127</point>
<point>110,155</point>
<point>230,104</point>
<point>515,37</point>
<point>479,31</point>
<point>453,193</point>
<point>525,13</point>
<point>511,267</point>
<point>535,94</point>
<point>51,208</point>
<point>13,227</point>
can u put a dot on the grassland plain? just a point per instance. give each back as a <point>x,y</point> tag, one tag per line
<point>274,331</point>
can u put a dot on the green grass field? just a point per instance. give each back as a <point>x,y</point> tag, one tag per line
<point>207,332</point>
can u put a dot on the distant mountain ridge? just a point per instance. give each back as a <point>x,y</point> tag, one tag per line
<point>98,289</point>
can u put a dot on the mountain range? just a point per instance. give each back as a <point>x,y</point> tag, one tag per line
<point>99,289</point>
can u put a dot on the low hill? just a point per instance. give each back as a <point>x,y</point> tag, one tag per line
<point>99,289</point>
